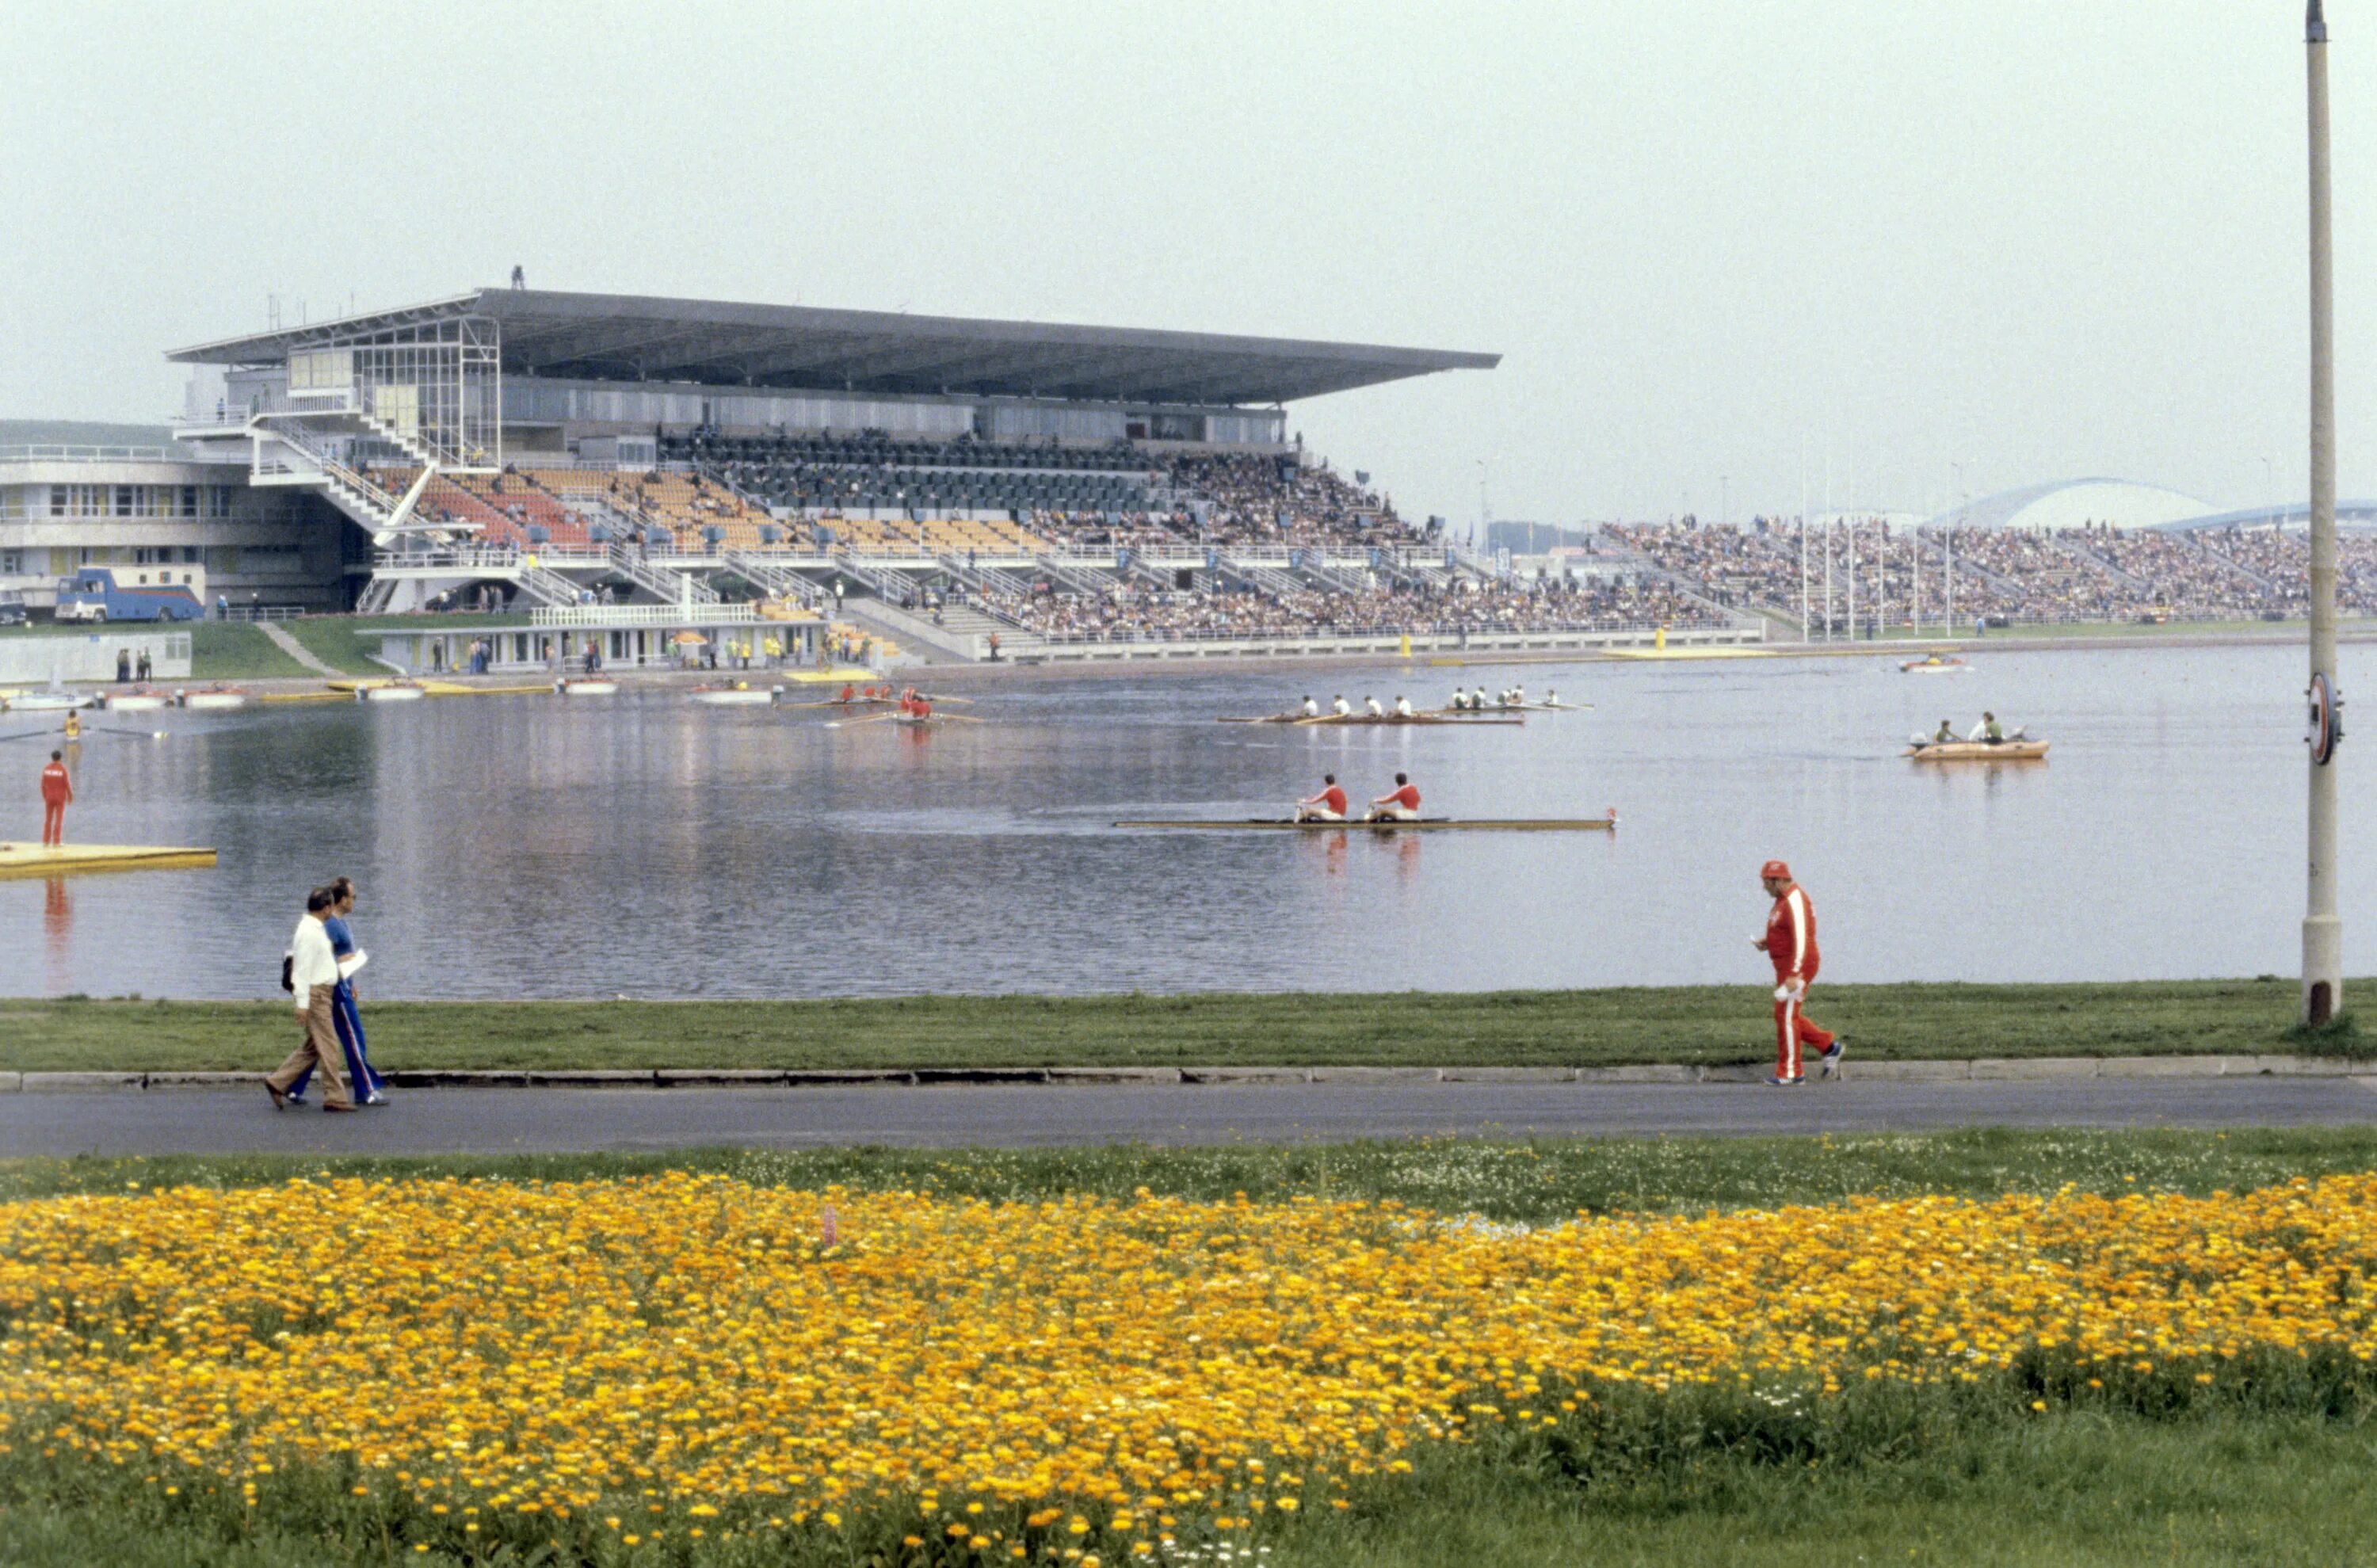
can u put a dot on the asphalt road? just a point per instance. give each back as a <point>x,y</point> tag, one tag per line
<point>531,1121</point>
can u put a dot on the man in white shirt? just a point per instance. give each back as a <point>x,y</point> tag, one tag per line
<point>1339,707</point>
<point>313,973</point>
<point>1371,705</point>
<point>1403,706</point>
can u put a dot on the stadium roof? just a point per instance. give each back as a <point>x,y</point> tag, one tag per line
<point>2075,503</point>
<point>637,338</point>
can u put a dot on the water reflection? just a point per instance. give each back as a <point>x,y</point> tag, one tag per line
<point>648,846</point>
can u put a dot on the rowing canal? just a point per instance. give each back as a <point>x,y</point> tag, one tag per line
<point>647,846</point>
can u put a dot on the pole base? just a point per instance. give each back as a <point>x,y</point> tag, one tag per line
<point>2323,987</point>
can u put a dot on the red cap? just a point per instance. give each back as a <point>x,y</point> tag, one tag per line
<point>1775,868</point>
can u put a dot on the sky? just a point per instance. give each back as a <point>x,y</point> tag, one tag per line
<point>1733,254</point>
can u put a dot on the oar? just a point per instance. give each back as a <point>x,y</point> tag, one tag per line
<point>854,723</point>
<point>117,729</point>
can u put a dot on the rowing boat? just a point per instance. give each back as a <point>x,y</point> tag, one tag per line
<point>390,691</point>
<point>1333,719</point>
<point>1493,708</point>
<point>1935,666</point>
<point>1425,825</point>
<point>587,686</point>
<point>1977,751</point>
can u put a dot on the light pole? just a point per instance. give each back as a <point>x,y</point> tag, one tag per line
<point>1948,560</point>
<point>2322,931</point>
<point>2270,493</point>
<point>1724,499</point>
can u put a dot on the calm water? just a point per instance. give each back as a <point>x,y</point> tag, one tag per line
<point>646,846</point>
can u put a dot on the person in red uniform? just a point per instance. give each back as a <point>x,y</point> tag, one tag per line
<point>1790,941</point>
<point>849,692</point>
<point>1329,806</point>
<point>1401,805</point>
<point>57,793</point>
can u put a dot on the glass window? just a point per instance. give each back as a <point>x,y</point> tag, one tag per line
<point>189,500</point>
<point>57,501</point>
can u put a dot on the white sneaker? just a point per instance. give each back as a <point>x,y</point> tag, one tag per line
<point>1831,1057</point>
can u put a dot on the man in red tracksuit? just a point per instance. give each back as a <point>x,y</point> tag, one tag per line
<point>1790,941</point>
<point>57,790</point>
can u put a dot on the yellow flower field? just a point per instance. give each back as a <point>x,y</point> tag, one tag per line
<point>1055,1379</point>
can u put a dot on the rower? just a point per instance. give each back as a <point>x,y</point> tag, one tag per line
<point>1311,709</point>
<point>849,692</point>
<point>1460,700</point>
<point>1371,703</point>
<point>1402,805</point>
<point>1340,706</point>
<point>1518,697</point>
<point>1988,730</point>
<point>1403,707</point>
<point>1478,701</point>
<point>1947,733</point>
<point>1551,697</point>
<point>1329,806</point>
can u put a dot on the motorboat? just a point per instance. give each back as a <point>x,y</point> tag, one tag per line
<point>736,696</point>
<point>140,701</point>
<point>390,691</point>
<point>587,686</point>
<point>215,699</point>
<point>1934,664</point>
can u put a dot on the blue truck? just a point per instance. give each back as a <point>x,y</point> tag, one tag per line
<point>93,595</point>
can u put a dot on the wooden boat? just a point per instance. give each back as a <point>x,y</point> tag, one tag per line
<point>214,700</point>
<point>733,696</point>
<point>587,686</point>
<point>134,701</point>
<point>390,691</point>
<point>1425,825</point>
<point>1322,720</point>
<point>39,860</point>
<point>1933,664</point>
<point>1976,751</point>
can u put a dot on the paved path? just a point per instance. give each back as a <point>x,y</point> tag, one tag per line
<point>523,1120</point>
<point>295,649</point>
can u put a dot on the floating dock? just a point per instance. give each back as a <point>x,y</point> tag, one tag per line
<point>34,860</point>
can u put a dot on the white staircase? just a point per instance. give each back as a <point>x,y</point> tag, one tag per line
<point>665,583</point>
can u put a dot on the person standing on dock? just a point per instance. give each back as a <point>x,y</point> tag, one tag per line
<point>1401,805</point>
<point>1329,806</point>
<point>57,794</point>
<point>1790,942</point>
<point>312,975</point>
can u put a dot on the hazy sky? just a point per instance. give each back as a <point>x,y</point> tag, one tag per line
<point>1719,245</point>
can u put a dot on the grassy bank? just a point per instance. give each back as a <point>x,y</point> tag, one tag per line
<point>1534,1181</point>
<point>347,643</point>
<point>233,651</point>
<point>1693,1024</point>
<point>2268,1473</point>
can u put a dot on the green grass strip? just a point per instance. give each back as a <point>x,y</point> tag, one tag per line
<point>1542,1179</point>
<point>1684,1024</point>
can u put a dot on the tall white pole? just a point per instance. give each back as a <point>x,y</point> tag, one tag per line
<point>1807,631</point>
<point>1852,578</point>
<point>2322,933</point>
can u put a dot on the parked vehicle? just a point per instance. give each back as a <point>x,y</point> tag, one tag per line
<point>12,607</point>
<point>93,595</point>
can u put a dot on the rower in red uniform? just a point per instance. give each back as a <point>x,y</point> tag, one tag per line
<point>1402,806</point>
<point>1329,806</point>
<point>849,693</point>
<point>57,793</point>
<point>1790,941</point>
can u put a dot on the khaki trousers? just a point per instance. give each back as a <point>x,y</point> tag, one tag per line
<point>319,1049</point>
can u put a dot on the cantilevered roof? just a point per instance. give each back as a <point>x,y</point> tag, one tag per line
<point>637,338</point>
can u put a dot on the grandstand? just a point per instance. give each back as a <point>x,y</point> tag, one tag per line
<point>1061,489</point>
